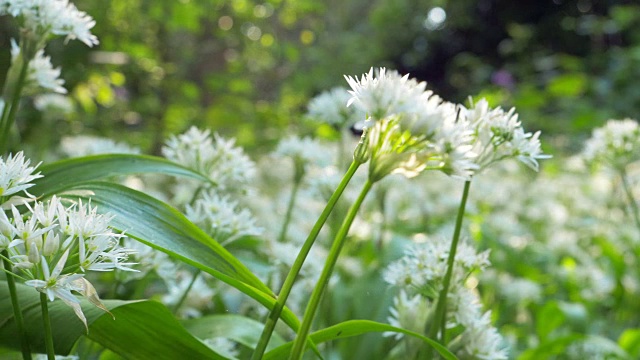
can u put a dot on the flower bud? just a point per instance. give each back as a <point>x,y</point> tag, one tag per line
<point>33,253</point>
<point>51,244</point>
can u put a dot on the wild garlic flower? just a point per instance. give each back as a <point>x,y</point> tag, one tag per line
<point>481,341</point>
<point>304,152</point>
<point>53,104</point>
<point>408,312</point>
<point>499,135</point>
<point>40,19</point>
<point>410,129</point>
<point>40,73</point>
<point>226,164</point>
<point>85,145</point>
<point>331,107</point>
<point>199,293</point>
<point>16,175</point>
<point>424,266</point>
<point>222,218</point>
<point>53,246</point>
<point>381,93</point>
<point>616,144</point>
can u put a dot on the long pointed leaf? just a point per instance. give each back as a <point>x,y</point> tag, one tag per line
<point>61,175</point>
<point>354,328</point>
<point>160,226</point>
<point>133,334</point>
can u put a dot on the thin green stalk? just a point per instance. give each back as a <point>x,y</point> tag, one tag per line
<point>301,338</point>
<point>630,198</point>
<point>440,318</point>
<point>48,334</point>
<point>297,180</point>
<point>275,312</point>
<point>8,117</point>
<point>186,291</point>
<point>17,312</point>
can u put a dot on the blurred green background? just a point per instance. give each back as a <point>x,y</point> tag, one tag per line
<point>248,68</point>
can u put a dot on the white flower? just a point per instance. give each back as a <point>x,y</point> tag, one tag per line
<point>304,151</point>
<point>425,264</point>
<point>222,218</point>
<point>383,93</point>
<point>40,72</point>
<point>617,143</point>
<point>54,284</point>
<point>482,341</point>
<point>44,18</point>
<point>499,136</point>
<point>16,175</point>
<point>56,103</point>
<point>199,294</point>
<point>226,164</point>
<point>410,313</point>
<point>331,107</point>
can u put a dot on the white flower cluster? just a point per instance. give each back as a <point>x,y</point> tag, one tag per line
<point>226,164</point>
<point>410,130</point>
<point>43,18</point>
<point>617,143</point>
<point>425,264</point>
<point>222,218</point>
<point>53,246</point>
<point>40,73</point>
<point>499,135</point>
<point>16,175</point>
<point>329,107</point>
<point>419,275</point>
<point>305,152</point>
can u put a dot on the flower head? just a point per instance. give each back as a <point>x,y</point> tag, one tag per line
<point>16,175</point>
<point>40,73</point>
<point>616,144</point>
<point>44,18</point>
<point>381,93</point>
<point>76,239</point>
<point>225,164</point>
<point>499,135</point>
<point>331,107</point>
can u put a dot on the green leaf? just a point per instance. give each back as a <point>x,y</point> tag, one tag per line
<point>64,174</point>
<point>160,226</point>
<point>354,328</point>
<point>148,330</point>
<point>547,349</point>
<point>549,318</point>
<point>630,342</point>
<point>238,328</point>
<point>133,334</point>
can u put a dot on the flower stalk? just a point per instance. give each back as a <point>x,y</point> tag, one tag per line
<point>9,110</point>
<point>48,334</point>
<point>17,312</point>
<point>301,337</point>
<point>275,312</point>
<point>440,319</point>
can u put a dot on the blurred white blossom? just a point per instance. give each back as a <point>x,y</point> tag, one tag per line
<point>44,18</point>
<point>40,73</point>
<point>616,144</point>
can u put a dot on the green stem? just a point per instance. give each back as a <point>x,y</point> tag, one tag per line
<point>48,334</point>
<point>440,318</point>
<point>301,338</point>
<point>17,312</point>
<point>630,198</point>
<point>186,292</point>
<point>8,117</point>
<point>275,312</point>
<point>297,180</point>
